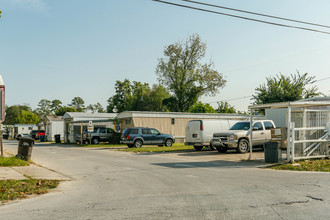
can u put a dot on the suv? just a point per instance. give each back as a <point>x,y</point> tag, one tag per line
<point>97,136</point>
<point>238,136</point>
<point>136,137</point>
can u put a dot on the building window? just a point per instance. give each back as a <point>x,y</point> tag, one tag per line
<point>128,121</point>
<point>172,121</point>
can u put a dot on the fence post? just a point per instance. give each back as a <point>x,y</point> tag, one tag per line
<point>293,133</point>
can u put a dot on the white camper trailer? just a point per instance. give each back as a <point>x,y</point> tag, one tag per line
<point>200,132</point>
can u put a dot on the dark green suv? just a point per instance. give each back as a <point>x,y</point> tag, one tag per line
<point>138,136</point>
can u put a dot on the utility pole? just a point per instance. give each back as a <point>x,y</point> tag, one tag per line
<point>2,110</point>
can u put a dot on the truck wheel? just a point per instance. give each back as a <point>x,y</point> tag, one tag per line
<point>198,148</point>
<point>243,146</point>
<point>211,147</point>
<point>138,143</point>
<point>168,143</point>
<point>95,141</point>
<point>221,149</point>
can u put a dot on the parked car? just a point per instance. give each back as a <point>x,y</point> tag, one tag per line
<point>138,136</point>
<point>97,136</point>
<point>35,134</point>
<point>18,136</point>
<point>200,132</point>
<point>238,136</point>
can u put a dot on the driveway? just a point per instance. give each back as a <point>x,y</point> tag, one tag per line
<point>109,184</point>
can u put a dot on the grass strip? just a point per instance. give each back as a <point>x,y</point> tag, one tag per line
<point>100,145</point>
<point>18,189</point>
<point>175,147</point>
<point>321,165</point>
<point>12,162</point>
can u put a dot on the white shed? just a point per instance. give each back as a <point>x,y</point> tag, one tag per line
<point>73,121</point>
<point>54,126</point>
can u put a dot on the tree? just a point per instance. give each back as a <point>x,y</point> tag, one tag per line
<point>96,108</point>
<point>199,107</point>
<point>64,109</point>
<point>13,112</point>
<point>286,88</point>
<point>225,107</point>
<point>78,103</point>
<point>182,73</point>
<point>44,109</point>
<point>137,96</point>
<point>56,104</point>
<point>28,117</point>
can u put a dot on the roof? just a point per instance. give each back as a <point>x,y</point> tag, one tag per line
<point>295,104</point>
<point>54,118</point>
<point>80,115</point>
<point>146,114</point>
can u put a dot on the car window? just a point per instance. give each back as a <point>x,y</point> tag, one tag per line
<point>102,130</point>
<point>258,126</point>
<point>241,126</point>
<point>268,125</point>
<point>146,131</point>
<point>154,131</point>
<point>110,130</point>
<point>133,131</point>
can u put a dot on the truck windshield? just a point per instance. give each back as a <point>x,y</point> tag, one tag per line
<point>241,126</point>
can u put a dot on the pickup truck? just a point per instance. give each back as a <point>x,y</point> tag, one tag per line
<point>238,136</point>
<point>97,136</point>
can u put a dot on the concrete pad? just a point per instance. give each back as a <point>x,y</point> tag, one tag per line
<point>37,172</point>
<point>8,173</point>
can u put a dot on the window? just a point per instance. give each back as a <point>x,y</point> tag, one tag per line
<point>268,125</point>
<point>110,130</point>
<point>128,121</point>
<point>133,131</point>
<point>172,121</point>
<point>102,130</point>
<point>146,131</point>
<point>258,126</point>
<point>154,131</point>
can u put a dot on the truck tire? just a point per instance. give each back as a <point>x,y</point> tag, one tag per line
<point>243,146</point>
<point>211,147</point>
<point>198,148</point>
<point>138,143</point>
<point>96,140</point>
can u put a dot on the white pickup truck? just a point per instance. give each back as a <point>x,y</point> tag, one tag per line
<point>238,136</point>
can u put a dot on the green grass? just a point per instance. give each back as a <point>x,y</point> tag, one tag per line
<point>17,189</point>
<point>321,165</point>
<point>12,162</point>
<point>175,147</point>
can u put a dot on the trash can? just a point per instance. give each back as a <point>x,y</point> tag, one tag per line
<point>25,146</point>
<point>57,138</point>
<point>272,152</point>
<point>42,138</point>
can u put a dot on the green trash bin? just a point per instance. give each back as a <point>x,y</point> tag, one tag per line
<point>42,138</point>
<point>272,152</point>
<point>25,146</point>
<point>57,138</point>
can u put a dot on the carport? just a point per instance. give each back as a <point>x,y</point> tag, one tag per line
<point>308,127</point>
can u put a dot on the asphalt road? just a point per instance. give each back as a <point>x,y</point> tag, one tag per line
<point>118,185</point>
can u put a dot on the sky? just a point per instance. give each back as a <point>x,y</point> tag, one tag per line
<point>79,48</point>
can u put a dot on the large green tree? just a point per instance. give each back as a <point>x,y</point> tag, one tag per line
<point>13,112</point>
<point>225,107</point>
<point>200,107</point>
<point>181,71</point>
<point>96,108</point>
<point>78,103</point>
<point>137,96</point>
<point>64,109</point>
<point>283,88</point>
<point>28,117</point>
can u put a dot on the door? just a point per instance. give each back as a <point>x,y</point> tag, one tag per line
<point>193,132</point>
<point>156,137</point>
<point>259,134</point>
<point>146,135</point>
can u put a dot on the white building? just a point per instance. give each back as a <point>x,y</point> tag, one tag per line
<point>54,126</point>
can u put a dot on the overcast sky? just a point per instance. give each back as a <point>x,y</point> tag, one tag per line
<point>67,48</point>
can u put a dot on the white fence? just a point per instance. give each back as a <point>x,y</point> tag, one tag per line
<point>308,134</point>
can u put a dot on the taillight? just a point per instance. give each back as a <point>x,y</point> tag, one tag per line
<point>201,127</point>
<point>128,137</point>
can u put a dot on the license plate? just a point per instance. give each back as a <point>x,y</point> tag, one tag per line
<point>194,135</point>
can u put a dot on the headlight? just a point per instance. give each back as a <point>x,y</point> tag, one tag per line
<point>233,137</point>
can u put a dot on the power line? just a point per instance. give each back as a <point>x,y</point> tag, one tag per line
<point>241,17</point>
<point>255,13</point>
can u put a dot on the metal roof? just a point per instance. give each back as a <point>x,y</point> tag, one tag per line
<point>295,104</point>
